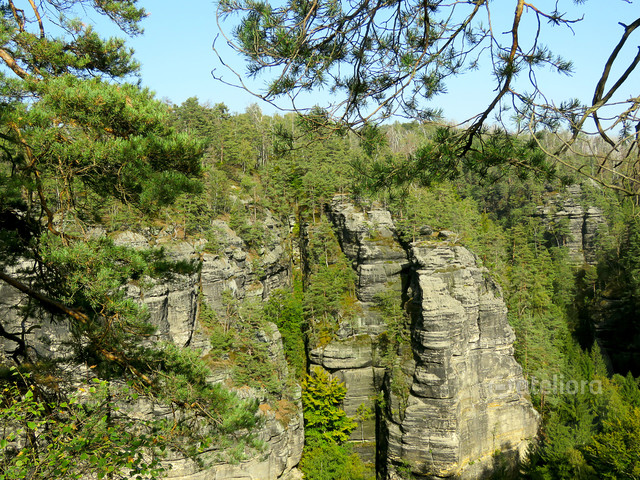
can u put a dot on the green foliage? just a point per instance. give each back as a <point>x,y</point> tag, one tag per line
<point>444,207</point>
<point>329,294</point>
<point>607,294</point>
<point>325,420</point>
<point>88,434</point>
<point>204,122</point>
<point>397,337</point>
<point>113,140</point>
<point>309,170</point>
<point>96,430</point>
<point>91,276</point>
<point>329,460</point>
<point>615,451</point>
<point>72,142</point>
<point>394,345</point>
<point>284,308</point>
<point>355,55</point>
<point>78,148</point>
<point>254,366</point>
<point>592,434</point>
<point>248,229</point>
<point>363,413</point>
<point>239,340</point>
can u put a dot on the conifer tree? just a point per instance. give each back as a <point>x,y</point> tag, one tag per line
<point>73,134</point>
<point>380,59</point>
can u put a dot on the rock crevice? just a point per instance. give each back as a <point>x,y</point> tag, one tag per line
<point>456,396</point>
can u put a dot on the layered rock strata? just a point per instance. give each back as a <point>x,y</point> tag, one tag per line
<point>173,307</point>
<point>369,241</point>
<point>467,397</point>
<point>454,396</point>
<point>572,225</point>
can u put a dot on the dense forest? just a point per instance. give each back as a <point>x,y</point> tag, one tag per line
<point>103,189</point>
<point>555,301</point>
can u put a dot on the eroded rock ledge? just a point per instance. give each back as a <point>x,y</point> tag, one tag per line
<point>173,307</point>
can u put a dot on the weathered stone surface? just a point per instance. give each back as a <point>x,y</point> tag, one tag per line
<point>449,404</point>
<point>368,238</point>
<point>360,383</point>
<point>352,352</point>
<point>48,338</point>
<point>467,397</point>
<point>173,308</point>
<point>458,396</point>
<point>130,239</point>
<point>572,224</point>
<point>370,241</point>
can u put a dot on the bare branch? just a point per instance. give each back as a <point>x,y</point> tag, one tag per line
<point>38,17</point>
<point>12,64</point>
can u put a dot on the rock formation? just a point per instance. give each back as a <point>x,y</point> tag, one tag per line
<point>173,308</point>
<point>467,398</point>
<point>441,404</point>
<point>368,239</point>
<point>569,223</point>
<point>458,396</point>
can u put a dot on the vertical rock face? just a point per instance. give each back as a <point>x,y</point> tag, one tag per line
<point>21,315</point>
<point>467,397</point>
<point>369,241</point>
<point>572,225</point>
<point>458,397</point>
<point>173,308</point>
<point>175,312</point>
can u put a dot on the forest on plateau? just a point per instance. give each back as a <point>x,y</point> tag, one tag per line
<point>182,294</point>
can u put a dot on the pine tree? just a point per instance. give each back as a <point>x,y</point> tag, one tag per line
<point>74,137</point>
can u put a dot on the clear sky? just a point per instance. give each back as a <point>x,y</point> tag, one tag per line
<point>177,59</point>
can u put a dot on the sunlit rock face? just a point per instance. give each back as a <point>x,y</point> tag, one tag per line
<point>467,398</point>
<point>457,404</point>
<point>369,240</point>
<point>572,223</point>
<point>173,307</point>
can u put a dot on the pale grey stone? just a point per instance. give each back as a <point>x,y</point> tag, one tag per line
<point>585,222</point>
<point>464,395</point>
<point>173,309</point>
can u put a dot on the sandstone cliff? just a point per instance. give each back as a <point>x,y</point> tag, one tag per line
<point>467,398</point>
<point>454,395</point>
<point>442,401</point>
<point>174,309</point>
<point>572,224</point>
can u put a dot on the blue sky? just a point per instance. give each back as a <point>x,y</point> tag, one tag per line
<point>177,59</point>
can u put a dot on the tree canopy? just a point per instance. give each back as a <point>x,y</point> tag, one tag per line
<point>73,133</point>
<point>384,58</point>
<point>75,137</point>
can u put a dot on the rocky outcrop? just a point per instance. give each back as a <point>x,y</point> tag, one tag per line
<point>283,434</point>
<point>441,406</point>
<point>572,225</point>
<point>467,398</point>
<point>454,395</point>
<point>369,240</point>
<point>174,310</point>
<point>173,306</point>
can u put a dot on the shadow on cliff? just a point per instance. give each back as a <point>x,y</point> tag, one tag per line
<point>503,466</point>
